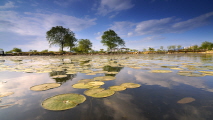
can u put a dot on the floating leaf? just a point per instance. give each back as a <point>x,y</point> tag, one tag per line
<point>86,80</point>
<point>45,86</point>
<point>59,76</point>
<point>130,85</point>
<point>186,100</point>
<point>63,101</point>
<point>99,92</point>
<point>117,88</point>
<point>160,71</point>
<point>82,86</point>
<point>96,83</point>
<point>4,94</point>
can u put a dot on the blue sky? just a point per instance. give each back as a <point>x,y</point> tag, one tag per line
<point>140,23</point>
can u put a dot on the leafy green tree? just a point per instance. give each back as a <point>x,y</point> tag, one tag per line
<point>169,47</point>
<point>151,49</point>
<point>207,45</point>
<point>144,50</point>
<point>84,45</point>
<point>60,36</point>
<point>111,39</point>
<point>101,50</point>
<point>70,40</point>
<point>179,47</point>
<point>16,50</point>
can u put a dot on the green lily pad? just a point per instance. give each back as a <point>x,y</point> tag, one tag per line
<point>4,94</point>
<point>112,72</point>
<point>63,101</point>
<point>160,71</point>
<point>107,78</point>
<point>45,86</point>
<point>99,92</point>
<point>95,83</point>
<point>59,76</point>
<point>177,68</point>
<point>186,100</point>
<point>85,80</point>
<point>117,88</point>
<point>82,86</point>
<point>190,74</point>
<point>130,85</point>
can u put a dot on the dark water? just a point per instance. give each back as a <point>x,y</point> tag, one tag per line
<point>156,99</point>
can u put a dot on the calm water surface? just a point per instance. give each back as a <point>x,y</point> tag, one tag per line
<point>156,99</point>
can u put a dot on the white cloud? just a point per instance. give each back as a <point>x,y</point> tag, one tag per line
<point>109,6</point>
<point>8,5</point>
<point>36,25</point>
<point>160,26</point>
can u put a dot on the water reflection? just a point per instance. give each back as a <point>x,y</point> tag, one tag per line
<point>155,99</point>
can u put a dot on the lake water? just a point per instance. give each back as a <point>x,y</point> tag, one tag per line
<point>158,98</point>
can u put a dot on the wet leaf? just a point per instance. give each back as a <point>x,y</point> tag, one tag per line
<point>186,100</point>
<point>45,86</point>
<point>99,93</point>
<point>63,101</point>
<point>130,85</point>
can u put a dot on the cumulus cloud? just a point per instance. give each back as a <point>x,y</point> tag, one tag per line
<point>160,26</point>
<point>110,6</point>
<point>8,5</point>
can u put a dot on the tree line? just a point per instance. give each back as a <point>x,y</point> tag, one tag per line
<point>65,38</point>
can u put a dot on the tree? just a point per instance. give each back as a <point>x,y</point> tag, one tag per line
<point>16,50</point>
<point>207,45</point>
<point>111,39</point>
<point>70,40</point>
<point>179,47</point>
<point>60,36</point>
<point>151,49</point>
<point>84,45</point>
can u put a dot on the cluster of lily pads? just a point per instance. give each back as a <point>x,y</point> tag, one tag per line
<point>67,101</point>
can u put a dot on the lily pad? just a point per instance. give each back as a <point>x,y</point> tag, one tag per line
<point>63,101</point>
<point>130,85</point>
<point>186,100</point>
<point>117,88</point>
<point>99,92</point>
<point>96,83</point>
<point>45,86</point>
<point>82,86</point>
<point>4,94</point>
<point>59,76</point>
<point>160,71</point>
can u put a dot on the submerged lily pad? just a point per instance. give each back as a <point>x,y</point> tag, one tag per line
<point>160,71</point>
<point>117,88</point>
<point>63,101</point>
<point>186,100</point>
<point>4,94</point>
<point>99,92</point>
<point>190,74</point>
<point>45,86</point>
<point>130,85</point>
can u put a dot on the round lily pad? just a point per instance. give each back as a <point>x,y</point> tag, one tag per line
<point>45,86</point>
<point>59,76</point>
<point>117,88</point>
<point>86,80</point>
<point>4,94</point>
<point>107,78</point>
<point>99,92</point>
<point>160,71</point>
<point>130,85</point>
<point>186,100</point>
<point>82,86</point>
<point>63,101</point>
<point>96,83</point>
